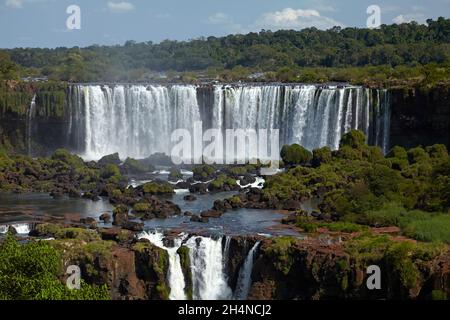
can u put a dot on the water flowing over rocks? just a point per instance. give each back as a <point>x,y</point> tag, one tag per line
<point>418,116</point>
<point>137,120</point>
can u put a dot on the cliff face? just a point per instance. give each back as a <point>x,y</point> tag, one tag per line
<point>43,127</point>
<point>296,269</point>
<point>420,116</point>
<point>284,268</point>
<point>138,272</point>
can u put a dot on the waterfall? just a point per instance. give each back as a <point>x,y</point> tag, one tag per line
<point>208,259</point>
<point>226,249</point>
<point>245,275</point>
<point>386,121</point>
<point>30,115</point>
<point>176,277</point>
<point>137,120</point>
<point>207,268</point>
<point>21,228</point>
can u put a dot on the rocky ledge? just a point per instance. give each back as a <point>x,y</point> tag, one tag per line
<point>314,267</point>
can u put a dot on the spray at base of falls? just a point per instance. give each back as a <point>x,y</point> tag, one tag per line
<point>208,257</point>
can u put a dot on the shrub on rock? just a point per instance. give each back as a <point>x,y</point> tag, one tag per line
<point>133,166</point>
<point>109,171</point>
<point>320,156</point>
<point>295,155</point>
<point>157,188</point>
<point>354,139</point>
<point>110,159</point>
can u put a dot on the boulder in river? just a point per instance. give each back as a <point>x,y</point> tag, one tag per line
<point>120,215</point>
<point>133,226</point>
<point>196,218</point>
<point>105,217</point>
<point>12,230</point>
<point>211,214</point>
<point>89,221</point>
<point>190,197</point>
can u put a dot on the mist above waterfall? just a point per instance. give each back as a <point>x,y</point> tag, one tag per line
<point>137,120</point>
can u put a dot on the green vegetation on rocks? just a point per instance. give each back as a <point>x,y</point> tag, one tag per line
<point>61,232</point>
<point>295,155</point>
<point>222,181</point>
<point>175,174</point>
<point>133,166</point>
<point>33,271</point>
<point>203,172</point>
<point>157,188</point>
<point>404,260</point>
<point>407,188</point>
<point>321,156</point>
<point>185,262</point>
<point>280,253</point>
<point>110,159</point>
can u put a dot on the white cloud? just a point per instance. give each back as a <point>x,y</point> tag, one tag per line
<point>19,4</point>
<point>399,19</point>
<point>219,18</point>
<point>405,18</point>
<point>289,18</point>
<point>16,4</point>
<point>120,7</point>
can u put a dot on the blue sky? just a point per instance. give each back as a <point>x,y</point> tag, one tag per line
<point>42,23</point>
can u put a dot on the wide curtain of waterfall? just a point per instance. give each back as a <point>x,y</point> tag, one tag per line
<point>138,120</point>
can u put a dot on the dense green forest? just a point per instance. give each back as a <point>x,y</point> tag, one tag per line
<point>393,53</point>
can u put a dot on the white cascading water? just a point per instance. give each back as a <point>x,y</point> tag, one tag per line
<point>208,275</point>
<point>245,275</point>
<point>226,249</point>
<point>208,258</point>
<point>176,277</point>
<point>21,228</point>
<point>30,115</point>
<point>137,120</point>
<point>3,229</point>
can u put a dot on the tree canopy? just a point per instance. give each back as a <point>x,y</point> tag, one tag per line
<point>408,44</point>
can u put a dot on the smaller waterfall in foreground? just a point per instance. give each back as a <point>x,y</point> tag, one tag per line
<point>208,258</point>
<point>245,275</point>
<point>21,228</point>
<point>207,268</point>
<point>176,277</point>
